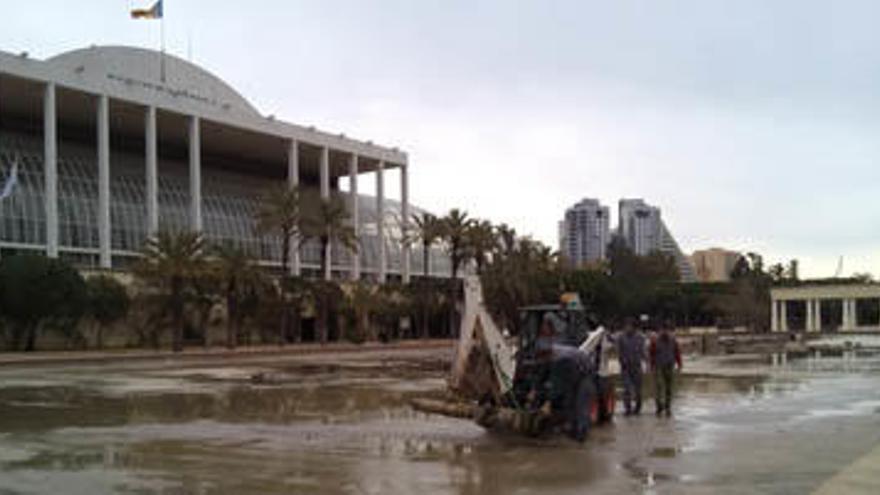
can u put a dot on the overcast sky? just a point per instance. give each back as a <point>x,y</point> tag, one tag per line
<point>754,125</point>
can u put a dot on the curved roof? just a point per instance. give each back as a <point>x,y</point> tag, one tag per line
<point>137,66</point>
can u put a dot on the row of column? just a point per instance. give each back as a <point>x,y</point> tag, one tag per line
<point>195,182</point>
<point>813,323</point>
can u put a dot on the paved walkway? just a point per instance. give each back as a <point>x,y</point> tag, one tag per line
<point>65,357</point>
<point>862,476</point>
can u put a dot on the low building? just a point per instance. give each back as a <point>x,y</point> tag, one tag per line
<point>825,308</point>
<point>714,264</point>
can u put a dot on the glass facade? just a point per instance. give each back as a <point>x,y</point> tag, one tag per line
<point>229,203</point>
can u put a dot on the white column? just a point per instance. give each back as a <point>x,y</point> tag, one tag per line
<point>50,170</point>
<point>853,315</point>
<point>380,221</point>
<point>104,231</point>
<point>355,215</point>
<point>293,182</point>
<point>152,175</point>
<point>195,174</point>
<point>783,315</point>
<point>809,324</point>
<point>817,322</point>
<point>404,226</point>
<point>774,315</point>
<point>325,196</point>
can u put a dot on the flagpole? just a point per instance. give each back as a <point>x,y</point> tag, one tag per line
<point>162,52</point>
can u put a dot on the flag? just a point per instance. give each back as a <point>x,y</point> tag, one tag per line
<point>154,12</point>
<point>11,180</point>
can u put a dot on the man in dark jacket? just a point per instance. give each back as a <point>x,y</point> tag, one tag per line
<point>631,354</point>
<point>665,356</point>
<point>572,374</point>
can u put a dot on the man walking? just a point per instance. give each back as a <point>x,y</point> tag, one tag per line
<point>631,354</point>
<point>665,356</point>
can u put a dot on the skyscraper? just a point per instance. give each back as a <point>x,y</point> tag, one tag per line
<point>584,232</point>
<point>643,231</point>
<point>640,226</point>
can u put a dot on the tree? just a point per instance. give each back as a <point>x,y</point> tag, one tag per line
<point>429,229</point>
<point>776,272</point>
<point>361,301</point>
<point>35,289</point>
<point>481,241</point>
<point>279,215</point>
<point>108,302</point>
<point>455,226</point>
<point>240,277</point>
<point>171,263</point>
<point>506,237</point>
<point>523,272</point>
<point>328,221</point>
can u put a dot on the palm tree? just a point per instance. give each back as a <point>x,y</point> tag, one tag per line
<point>481,241</point>
<point>362,301</point>
<point>240,276</point>
<point>455,227</point>
<point>330,223</point>
<point>506,239</point>
<point>429,229</point>
<point>280,215</point>
<point>171,262</point>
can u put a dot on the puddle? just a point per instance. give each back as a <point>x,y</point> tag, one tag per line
<point>346,428</point>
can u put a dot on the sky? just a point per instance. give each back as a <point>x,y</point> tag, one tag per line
<point>753,125</point>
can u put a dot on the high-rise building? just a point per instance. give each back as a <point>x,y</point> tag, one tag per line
<point>715,264</point>
<point>639,225</point>
<point>642,229</point>
<point>584,232</point>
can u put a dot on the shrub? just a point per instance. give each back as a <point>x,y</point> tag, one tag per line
<point>35,289</point>
<point>108,302</point>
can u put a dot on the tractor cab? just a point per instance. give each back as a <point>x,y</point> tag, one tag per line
<point>541,328</point>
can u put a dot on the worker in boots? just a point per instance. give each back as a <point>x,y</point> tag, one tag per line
<point>631,355</point>
<point>665,356</point>
<point>572,374</point>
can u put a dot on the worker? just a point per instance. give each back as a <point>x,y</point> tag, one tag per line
<point>604,384</point>
<point>572,376</point>
<point>665,356</point>
<point>631,355</point>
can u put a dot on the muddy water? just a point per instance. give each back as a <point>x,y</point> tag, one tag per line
<point>345,428</point>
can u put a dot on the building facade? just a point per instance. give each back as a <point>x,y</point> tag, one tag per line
<point>102,147</point>
<point>714,264</point>
<point>584,232</point>
<point>639,225</point>
<point>825,308</point>
<point>643,231</point>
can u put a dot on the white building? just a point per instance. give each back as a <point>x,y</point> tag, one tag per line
<point>642,229</point>
<point>112,144</point>
<point>584,232</point>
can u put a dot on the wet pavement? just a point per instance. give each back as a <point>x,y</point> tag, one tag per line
<point>327,425</point>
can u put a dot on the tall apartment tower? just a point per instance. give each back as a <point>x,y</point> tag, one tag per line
<point>643,230</point>
<point>640,226</point>
<point>584,232</point>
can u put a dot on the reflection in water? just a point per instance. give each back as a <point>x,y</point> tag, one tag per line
<point>347,429</point>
